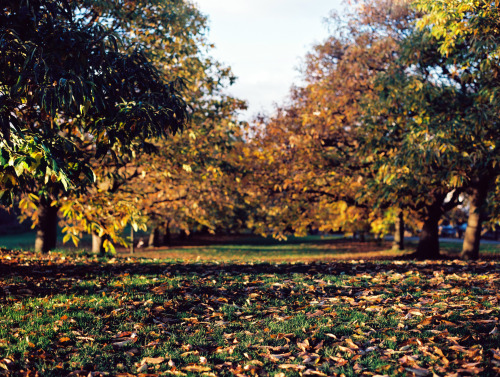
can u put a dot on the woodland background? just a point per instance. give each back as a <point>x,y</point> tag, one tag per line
<point>396,123</point>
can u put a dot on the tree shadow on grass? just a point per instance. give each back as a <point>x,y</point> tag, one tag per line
<point>20,278</point>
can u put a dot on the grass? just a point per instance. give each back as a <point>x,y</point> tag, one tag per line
<point>64,314</point>
<point>19,241</point>
<point>309,249</point>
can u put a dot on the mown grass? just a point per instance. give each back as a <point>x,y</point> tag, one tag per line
<point>252,248</point>
<point>81,315</point>
<point>326,249</point>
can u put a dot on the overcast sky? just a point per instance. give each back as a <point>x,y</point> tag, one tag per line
<point>264,42</point>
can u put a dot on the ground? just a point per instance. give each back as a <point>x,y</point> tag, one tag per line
<point>252,314</point>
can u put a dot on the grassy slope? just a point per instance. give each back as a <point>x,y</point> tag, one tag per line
<point>62,314</point>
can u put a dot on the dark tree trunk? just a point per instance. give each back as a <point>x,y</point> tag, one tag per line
<point>399,234</point>
<point>472,238</point>
<point>97,244</point>
<point>154,237</point>
<point>428,245</point>
<point>167,237</point>
<point>46,234</point>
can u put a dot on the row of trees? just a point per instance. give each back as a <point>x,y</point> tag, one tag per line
<point>134,174</point>
<point>397,122</point>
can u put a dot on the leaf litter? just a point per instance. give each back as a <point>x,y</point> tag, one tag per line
<point>84,317</point>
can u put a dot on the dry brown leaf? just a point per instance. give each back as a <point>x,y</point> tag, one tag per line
<point>339,361</point>
<point>125,341</point>
<point>196,368</point>
<point>184,354</point>
<point>153,360</point>
<point>297,367</point>
<point>427,321</point>
<point>419,371</point>
<point>317,313</point>
<point>312,372</point>
<point>351,344</point>
<point>278,357</point>
<point>319,345</point>
<point>176,372</point>
<point>303,346</point>
<point>142,368</point>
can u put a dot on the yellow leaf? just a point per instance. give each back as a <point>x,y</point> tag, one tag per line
<point>196,368</point>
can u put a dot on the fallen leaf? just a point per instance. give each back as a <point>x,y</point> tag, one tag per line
<point>292,366</point>
<point>176,372</point>
<point>351,344</point>
<point>153,360</point>
<point>312,372</point>
<point>419,371</point>
<point>196,368</point>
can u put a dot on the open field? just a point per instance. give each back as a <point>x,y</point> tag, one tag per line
<point>64,315</point>
<point>252,248</point>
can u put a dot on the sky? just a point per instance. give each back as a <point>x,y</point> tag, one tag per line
<point>264,42</point>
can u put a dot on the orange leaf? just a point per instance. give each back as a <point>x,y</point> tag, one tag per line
<point>196,368</point>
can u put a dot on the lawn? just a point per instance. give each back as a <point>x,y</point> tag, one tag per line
<point>82,316</point>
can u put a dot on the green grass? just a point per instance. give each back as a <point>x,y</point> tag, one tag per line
<point>62,314</point>
<point>19,241</point>
<point>252,248</point>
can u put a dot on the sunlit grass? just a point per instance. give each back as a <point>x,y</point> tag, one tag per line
<point>330,318</point>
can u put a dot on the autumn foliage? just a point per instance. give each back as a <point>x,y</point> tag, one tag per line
<point>395,122</point>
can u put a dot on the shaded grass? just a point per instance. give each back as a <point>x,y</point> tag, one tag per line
<point>252,248</point>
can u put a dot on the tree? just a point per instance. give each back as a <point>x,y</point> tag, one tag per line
<point>188,182</point>
<point>468,34</point>
<point>440,98</point>
<point>69,95</point>
<point>310,172</point>
<point>409,138</point>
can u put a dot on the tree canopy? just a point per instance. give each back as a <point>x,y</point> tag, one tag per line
<point>68,94</point>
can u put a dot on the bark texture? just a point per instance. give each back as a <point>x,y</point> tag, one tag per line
<point>97,244</point>
<point>46,234</point>
<point>167,237</point>
<point>428,245</point>
<point>155,237</point>
<point>472,238</point>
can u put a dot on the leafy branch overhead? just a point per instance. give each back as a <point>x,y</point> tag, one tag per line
<point>69,94</point>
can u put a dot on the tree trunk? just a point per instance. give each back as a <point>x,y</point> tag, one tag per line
<point>399,234</point>
<point>97,244</point>
<point>131,240</point>
<point>154,237</point>
<point>167,237</point>
<point>472,238</point>
<point>428,245</point>
<point>46,234</point>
